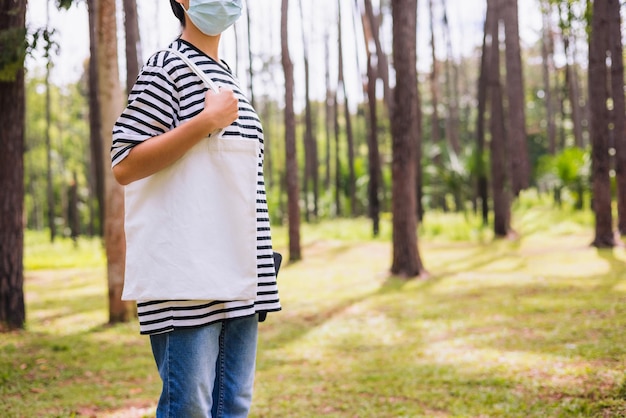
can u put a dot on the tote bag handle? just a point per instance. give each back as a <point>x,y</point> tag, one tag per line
<point>206,79</point>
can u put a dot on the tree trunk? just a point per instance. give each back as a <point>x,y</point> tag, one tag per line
<point>250,57</point>
<point>547,54</point>
<point>349,134</point>
<point>619,111</point>
<point>383,63</point>
<point>452,92</point>
<point>520,170</point>
<point>111,103</point>
<point>13,30</point>
<point>133,43</point>
<point>499,159</point>
<point>310,145</point>
<point>482,186</point>
<point>406,260</point>
<point>338,207</point>
<point>598,96</point>
<point>571,76</point>
<point>438,197</point>
<point>95,125</point>
<point>293,208</point>
<point>373,187</point>
<point>328,110</point>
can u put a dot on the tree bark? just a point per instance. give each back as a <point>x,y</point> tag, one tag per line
<point>516,116</point>
<point>482,185</point>
<point>547,54</point>
<point>293,208</point>
<point>349,134</point>
<point>619,110</point>
<point>374,170</point>
<point>12,26</point>
<point>111,103</point>
<point>406,260</point>
<point>499,159</point>
<point>95,125</point>
<point>598,96</point>
<point>133,43</point>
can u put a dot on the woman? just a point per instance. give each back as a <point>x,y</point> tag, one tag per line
<point>205,350</point>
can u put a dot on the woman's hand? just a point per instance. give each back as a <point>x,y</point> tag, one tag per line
<point>221,109</point>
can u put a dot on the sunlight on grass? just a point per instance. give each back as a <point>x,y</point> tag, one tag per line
<point>531,327</point>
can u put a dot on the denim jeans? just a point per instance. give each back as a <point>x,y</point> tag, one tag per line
<point>207,371</point>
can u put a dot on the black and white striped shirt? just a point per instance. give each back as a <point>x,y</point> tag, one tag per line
<point>167,92</point>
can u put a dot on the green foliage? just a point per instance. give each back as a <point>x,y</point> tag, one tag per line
<point>12,52</point>
<point>569,169</point>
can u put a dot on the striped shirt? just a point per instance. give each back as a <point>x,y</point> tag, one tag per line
<point>167,93</point>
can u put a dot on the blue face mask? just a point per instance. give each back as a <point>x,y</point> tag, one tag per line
<point>213,17</point>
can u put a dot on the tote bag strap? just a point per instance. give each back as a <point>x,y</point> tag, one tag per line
<point>203,76</point>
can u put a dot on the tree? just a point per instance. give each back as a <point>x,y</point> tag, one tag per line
<point>311,176</point>
<point>619,111</point>
<point>482,186</point>
<point>598,97</point>
<point>13,48</point>
<point>520,171</point>
<point>374,170</point>
<point>110,103</point>
<point>293,208</point>
<point>500,185</point>
<point>133,43</point>
<point>349,134</point>
<point>406,259</point>
<point>547,55</point>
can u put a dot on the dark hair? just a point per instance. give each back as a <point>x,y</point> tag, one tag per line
<point>179,12</point>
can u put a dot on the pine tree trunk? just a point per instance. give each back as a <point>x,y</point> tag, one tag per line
<point>547,54</point>
<point>12,307</point>
<point>133,43</point>
<point>520,170</point>
<point>349,134</point>
<point>291,162</point>
<point>111,103</point>
<point>499,160</point>
<point>600,161</point>
<point>619,111</point>
<point>482,186</point>
<point>406,260</point>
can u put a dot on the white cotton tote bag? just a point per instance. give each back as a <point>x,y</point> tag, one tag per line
<point>191,228</point>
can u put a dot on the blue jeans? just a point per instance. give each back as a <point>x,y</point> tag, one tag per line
<point>207,371</point>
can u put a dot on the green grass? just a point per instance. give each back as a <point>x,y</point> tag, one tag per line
<point>532,327</point>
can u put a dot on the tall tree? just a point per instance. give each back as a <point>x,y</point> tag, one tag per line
<point>347,117</point>
<point>482,186</point>
<point>406,259</point>
<point>110,106</point>
<point>598,96</point>
<point>293,208</point>
<point>97,160</point>
<point>435,129</point>
<point>619,110</point>
<point>310,144</point>
<point>547,55</point>
<point>500,185</point>
<point>49,177</point>
<point>374,170</point>
<point>516,117</point>
<point>133,43</point>
<point>13,47</point>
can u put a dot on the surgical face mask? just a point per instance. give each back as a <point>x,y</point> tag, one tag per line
<point>213,17</point>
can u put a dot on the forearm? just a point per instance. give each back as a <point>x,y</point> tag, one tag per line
<point>161,151</point>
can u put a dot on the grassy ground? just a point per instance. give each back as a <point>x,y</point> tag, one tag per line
<point>532,327</point>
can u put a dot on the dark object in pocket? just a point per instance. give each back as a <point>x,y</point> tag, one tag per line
<point>278,259</point>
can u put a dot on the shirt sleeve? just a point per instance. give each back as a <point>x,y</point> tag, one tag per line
<point>151,111</point>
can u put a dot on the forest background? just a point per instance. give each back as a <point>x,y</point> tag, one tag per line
<point>399,112</point>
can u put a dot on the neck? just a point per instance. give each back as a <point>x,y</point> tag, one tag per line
<point>205,43</point>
